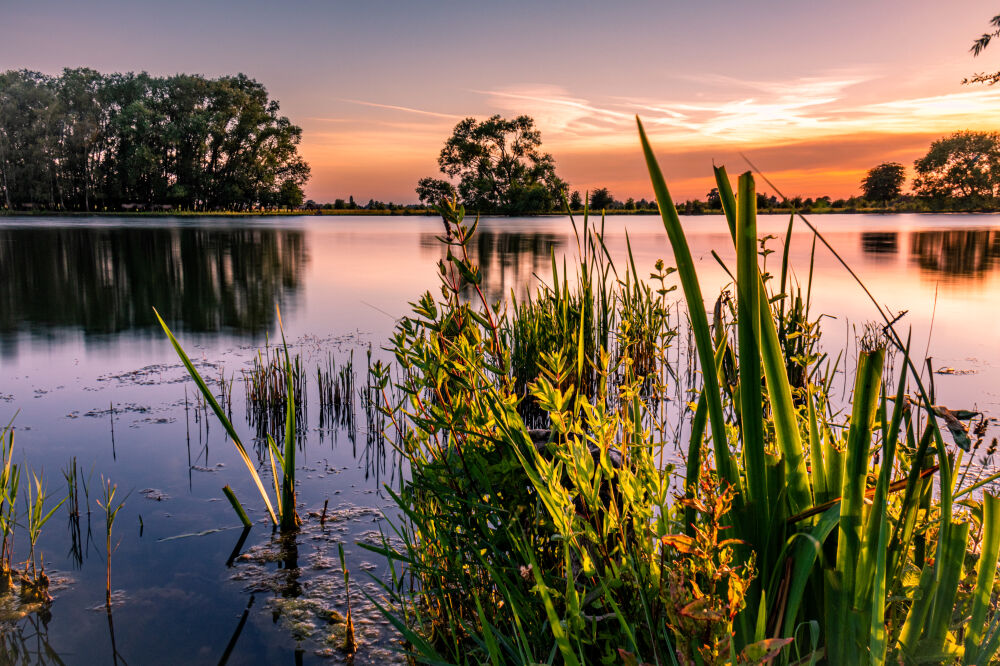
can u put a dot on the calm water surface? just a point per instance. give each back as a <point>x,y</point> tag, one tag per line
<point>81,356</point>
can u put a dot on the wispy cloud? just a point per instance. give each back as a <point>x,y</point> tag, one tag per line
<point>555,108</point>
<point>406,109</point>
<point>777,112</point>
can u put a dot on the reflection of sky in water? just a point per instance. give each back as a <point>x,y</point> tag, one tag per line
<point>76,300</point>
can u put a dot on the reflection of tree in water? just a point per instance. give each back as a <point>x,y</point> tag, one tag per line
<point>880,242</point>
<point>109,280</point>
<point>508,259</point>
<point>966,252</point>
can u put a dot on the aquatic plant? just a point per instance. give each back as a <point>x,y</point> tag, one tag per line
<point>282,511</point>
<point>350,643</point>
<point>806,530</point>
<point>30,584</point>
<point>268,393</point>
<point>336,392</point>
<point>111,507</point>
<point>37,517</point>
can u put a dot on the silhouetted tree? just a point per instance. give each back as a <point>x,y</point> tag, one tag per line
<point>884,182</point>
<point>500,167</point>
<point>965,165</point>
<point>432,191</point>
<point>712,199</point>
<point>601,199</point>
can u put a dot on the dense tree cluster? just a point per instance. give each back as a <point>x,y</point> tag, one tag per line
<point>499,166</point>
<point>91,141</point>
<point>963,167</point>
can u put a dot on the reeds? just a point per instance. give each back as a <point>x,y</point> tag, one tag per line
<point>30,583</point>
<point>282,511</point>
<point>564,543</point>
<point>111,506</point>
<point>268,392</point>
<point>336,392</point>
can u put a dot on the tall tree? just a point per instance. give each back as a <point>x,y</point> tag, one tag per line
<point>27,138</point>
<point>965,165</point>
<point>500,167</point>
<point>884,182</point>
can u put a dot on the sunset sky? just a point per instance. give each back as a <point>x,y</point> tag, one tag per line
<point>814,92</point>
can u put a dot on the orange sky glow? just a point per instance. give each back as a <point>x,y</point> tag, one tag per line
<point>814,93</point>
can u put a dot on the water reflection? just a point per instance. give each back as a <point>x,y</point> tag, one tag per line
<point>508,259</point>
<point>880,242</point>
<point>105,281</point>
<point>953,253</point>
<point>957,253</point>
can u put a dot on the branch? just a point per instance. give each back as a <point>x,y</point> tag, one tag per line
<point>988,79</point>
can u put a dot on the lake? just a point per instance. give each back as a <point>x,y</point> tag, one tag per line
<point>90,375</point>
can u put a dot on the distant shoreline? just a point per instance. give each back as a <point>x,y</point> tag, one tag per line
<point>431,213</point>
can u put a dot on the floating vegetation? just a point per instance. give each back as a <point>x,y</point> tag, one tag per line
<point>311,595</point>
<point>154,494</point>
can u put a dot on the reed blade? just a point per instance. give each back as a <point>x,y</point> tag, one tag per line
<point>696,312</point>
<point>210,399</point>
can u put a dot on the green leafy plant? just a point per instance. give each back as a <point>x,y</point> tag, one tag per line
<point>539,522</point>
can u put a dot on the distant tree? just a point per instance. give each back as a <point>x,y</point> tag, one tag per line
<point>500,166</point>
<point>350,203</point>
<point>575,200</point>
<point>694,207</point>
<point>431,191</point>
<point>884,182</point>
<point>290,195</point>
<point>965,165</point>
<point>712,199</point>
<point>630,204</point>
<point>339,204</point>
<point>601,199</point>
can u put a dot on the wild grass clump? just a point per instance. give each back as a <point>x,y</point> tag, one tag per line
<point>30,583</point>
<point>268,393</point>
<point>336,392</point>
<point>805,530</point>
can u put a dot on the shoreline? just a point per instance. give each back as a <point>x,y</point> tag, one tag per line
<point>431,213</point>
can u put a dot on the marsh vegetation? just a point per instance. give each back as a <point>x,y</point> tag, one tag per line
<point>541,522</point>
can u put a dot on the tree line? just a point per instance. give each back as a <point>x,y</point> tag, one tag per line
<point>500,168</point>
<point>87,141</point>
